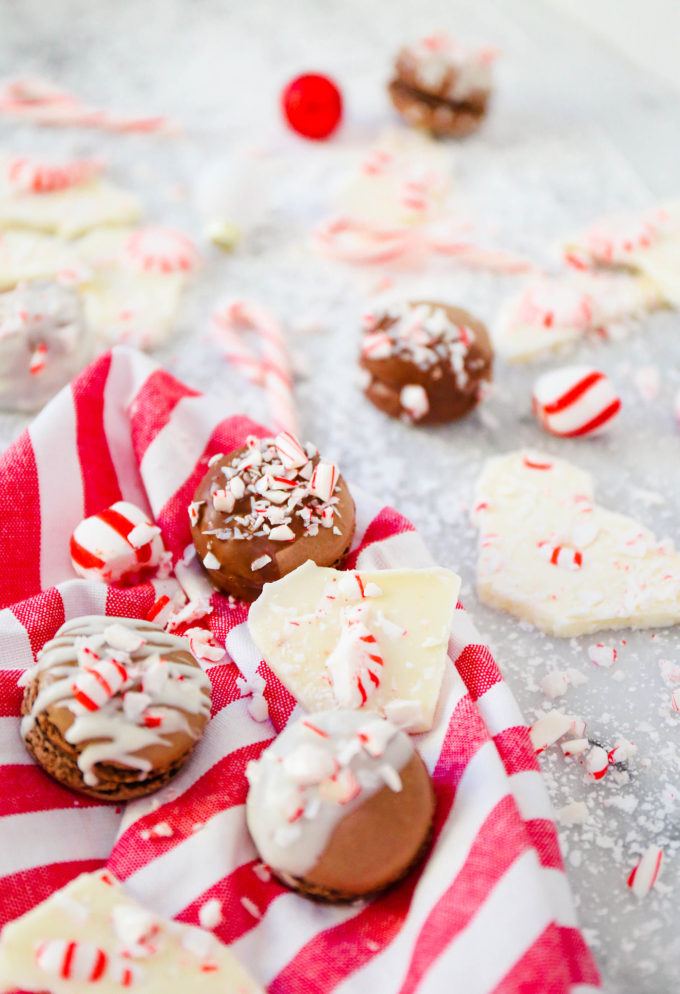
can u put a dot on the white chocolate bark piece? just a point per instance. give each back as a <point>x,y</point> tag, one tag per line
<point>404,179</point>
<point>28,255</point>
<point>67,212</point>
<point>91,935</point>
<point>353,639</point>
<point>553,312</point>
<point>552,557</point>
<point>647,242</point>
<point>124,302</point>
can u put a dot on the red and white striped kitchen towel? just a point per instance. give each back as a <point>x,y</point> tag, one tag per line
<point>489,911</point>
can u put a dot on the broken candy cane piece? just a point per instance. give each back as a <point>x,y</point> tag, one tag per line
<point>561,555</point>
<point>597,762</point>
<point>413,398</point>
<point>574,747</point>
<point>98,682</point>
<point>103,545</point>
<point>293,455</point>
<point>204,646</point>
<point>675,700</point>
<point>323,481</point>
<point>356,664</point>
<point>574,401</point>
<point>601,654</point>
<point>645,873</point>
<point>548,729</point>
<point>623,750</point>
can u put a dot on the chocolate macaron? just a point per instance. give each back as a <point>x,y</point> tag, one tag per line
<point>425,362</point>
<point>266,508</point>
<point>114,706</point>
<point>340,805</point>
<point>441,86</point>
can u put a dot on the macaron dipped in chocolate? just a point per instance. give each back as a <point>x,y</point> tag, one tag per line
<point>340,805</point>
<point>425,362</point>
<point>266,508</point>
<point>114,706</point>
<point>441,86</point>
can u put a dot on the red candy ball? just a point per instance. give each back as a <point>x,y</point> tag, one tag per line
<point>312,105</point>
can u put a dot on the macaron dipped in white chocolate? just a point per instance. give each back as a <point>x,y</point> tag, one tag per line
<point>340,805</point>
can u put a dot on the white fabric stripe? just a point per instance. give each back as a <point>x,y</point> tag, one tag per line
<point>499,709</point>
<point>214,852</point>
<point>243,650</point>
<point>509,921</point>
<point>232,728</point>
<point>176,449</point>
<point>463,633</point>
<point>56,836</point>
<point>15,645</point>
<point>529,791</point>
<point>60,487</point>
<point>367,508</point>
<point>128,372</point>
<point>81,597</point>
<point>556,884</point>
<point>289,924</point>
<point>406,549</point>
<point>12,748</point>
<point>429,744</point>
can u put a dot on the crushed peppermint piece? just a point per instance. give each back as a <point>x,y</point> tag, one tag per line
<point>210,914</point>
<point>258,709</point>
<point>645,873</point>
<point>623,750</point>
<point>210,561</point>
<point>282,533</point>
<point>602,655</point>
<point>123,637</point>
<point>251,907</point>
<point>575,813</point>
<point>597,762</point>
<point>574,747</point>
<point>413,398</point>
<point>142,534</point>
<point>260,562</point>
<point>547,729</point>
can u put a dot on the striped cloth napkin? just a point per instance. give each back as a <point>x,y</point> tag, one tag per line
<point>490,910</point>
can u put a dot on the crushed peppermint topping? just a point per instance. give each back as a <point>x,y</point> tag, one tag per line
<point>423,334</point>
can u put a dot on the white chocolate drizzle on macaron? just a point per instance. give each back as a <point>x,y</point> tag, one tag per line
<point>124,686</point>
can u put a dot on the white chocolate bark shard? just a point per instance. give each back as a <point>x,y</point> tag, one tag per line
<point>554,312</point>
<point>88,934</point>
<point>67,212</point>
<point>552,557</point>
<point>358,638</point>
<point>28,255</point>
<point>647,242</point>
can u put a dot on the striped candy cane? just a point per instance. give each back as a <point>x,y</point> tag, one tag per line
<point>270,367</point>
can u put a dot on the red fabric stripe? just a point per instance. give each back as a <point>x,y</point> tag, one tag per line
<point>19,892</point>
<point>10,694</point>
<point>19,523</point>
<point>595,422</point>
<point>574,393</point>
<point>544,839</point>
<point>222,787</point>
<point>478,669</point>
<point>385,525</point>
<point>100,483</point>
<point>152,407</point>
<point>130,602</point>
<point>26,788</point>
<point>41,616</point>
<point>515,749</point>
<point>236,919</point>
<point>499,842</point>
<point>558,959</point>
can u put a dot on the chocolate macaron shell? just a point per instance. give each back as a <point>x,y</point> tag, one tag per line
<point>451,390</point>
<point>244,557</point>
<point>129,737</point>
<point>442,118</point>
<point>395,831</point>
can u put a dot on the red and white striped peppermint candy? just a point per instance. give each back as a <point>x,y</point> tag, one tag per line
<point>575,400</point>
<point>116,544</point>
<point>32,176</point>
<point>597,762</point>
<point>83,962</point>
<point>613,239</point>
<point>356,663</point>
<point>156,249</point>
<point>323,481</point>
<point>98,682</point>
<point>290,450</point>
<point>561,555</point>
<point>645,873</point>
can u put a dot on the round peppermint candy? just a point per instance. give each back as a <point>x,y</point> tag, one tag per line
<point>575,400</point>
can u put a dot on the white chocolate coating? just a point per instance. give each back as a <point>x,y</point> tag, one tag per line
<point>92,935</point>
<point>552,557</point>
<point>44,343</point>
<point>305,625</point>
<point>318,770</point>
<point>153,701</point>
